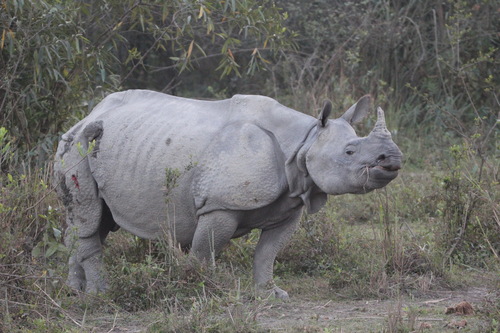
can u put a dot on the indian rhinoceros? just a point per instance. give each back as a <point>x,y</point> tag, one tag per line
<point>209,171</point>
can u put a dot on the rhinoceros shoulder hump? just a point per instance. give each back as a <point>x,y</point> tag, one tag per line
<point>241,169</point>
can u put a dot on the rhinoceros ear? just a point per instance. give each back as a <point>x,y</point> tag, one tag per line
<point>325,113</point>
<point>358,111</point>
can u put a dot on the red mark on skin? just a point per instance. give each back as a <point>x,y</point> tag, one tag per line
<point>75,180</point>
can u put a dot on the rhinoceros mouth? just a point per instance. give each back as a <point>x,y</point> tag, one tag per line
<point>391,168</point>
<point>380,173</point>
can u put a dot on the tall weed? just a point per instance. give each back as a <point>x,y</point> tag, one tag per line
<point>31,251</point>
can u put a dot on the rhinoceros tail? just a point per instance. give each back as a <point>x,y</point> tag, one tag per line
<point>93,131</point>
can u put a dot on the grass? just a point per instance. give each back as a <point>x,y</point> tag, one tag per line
<point>371,244</point>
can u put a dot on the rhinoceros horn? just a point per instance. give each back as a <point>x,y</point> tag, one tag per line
<point>380,129</point>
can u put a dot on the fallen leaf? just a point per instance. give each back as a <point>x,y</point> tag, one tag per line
<point>462,308</point>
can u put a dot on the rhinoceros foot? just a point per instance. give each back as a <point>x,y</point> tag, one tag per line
<point>280,293</point>
<point>270,290</point>
<point>94,275</point>
<point>76,276</point>
<point>78,284</point>
<point>75,285</point>
<point>86,276</point>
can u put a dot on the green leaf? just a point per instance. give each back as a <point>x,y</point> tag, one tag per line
<point>36,252</point>
<point>53,247</point>
<point>80,149</point>
<point>57,233</point>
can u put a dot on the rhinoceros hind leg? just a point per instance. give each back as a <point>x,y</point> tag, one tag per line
<point>90,253</point>
<point>92,265</point>
<point>76,274</point>
<point>280,293</point>
<point>85,262</point>
<point>85,265</point>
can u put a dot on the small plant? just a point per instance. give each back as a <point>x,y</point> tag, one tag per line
<point>171,177</point>
<point>51,243</point>
<point>469,207</point>
<point>88,151</point>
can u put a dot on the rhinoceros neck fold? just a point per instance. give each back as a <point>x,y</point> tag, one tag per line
<point>298,154</point>
<point>300,182</point>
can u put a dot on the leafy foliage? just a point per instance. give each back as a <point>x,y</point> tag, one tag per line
<point>427,60</point>
<point>50,71</point>
<point>59,58</point>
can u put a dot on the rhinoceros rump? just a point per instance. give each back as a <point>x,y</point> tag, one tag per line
<point>208,171</point>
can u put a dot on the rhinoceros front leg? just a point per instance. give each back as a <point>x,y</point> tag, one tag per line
<point>270,243</point>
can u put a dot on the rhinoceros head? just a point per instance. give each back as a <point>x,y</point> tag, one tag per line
<point>339,161</point>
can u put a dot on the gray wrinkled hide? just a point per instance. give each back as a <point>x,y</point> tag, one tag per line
<point>208,171</point>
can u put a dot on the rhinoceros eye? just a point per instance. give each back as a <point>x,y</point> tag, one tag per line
<point>349,152</point>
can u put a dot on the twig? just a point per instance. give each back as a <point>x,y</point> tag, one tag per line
<point>362,317</point>
<point>430,319</point>
<point>409,229</point>
<point>110,28</point>
<point>436,300</point>
<point>6,314</point>
<point>322,306</point>
<point>486,238</point>
<point>437,52</point>
<point>114,323</point>
<point>422,56</point>
<point>58,306</point>
<point>231,316</point>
